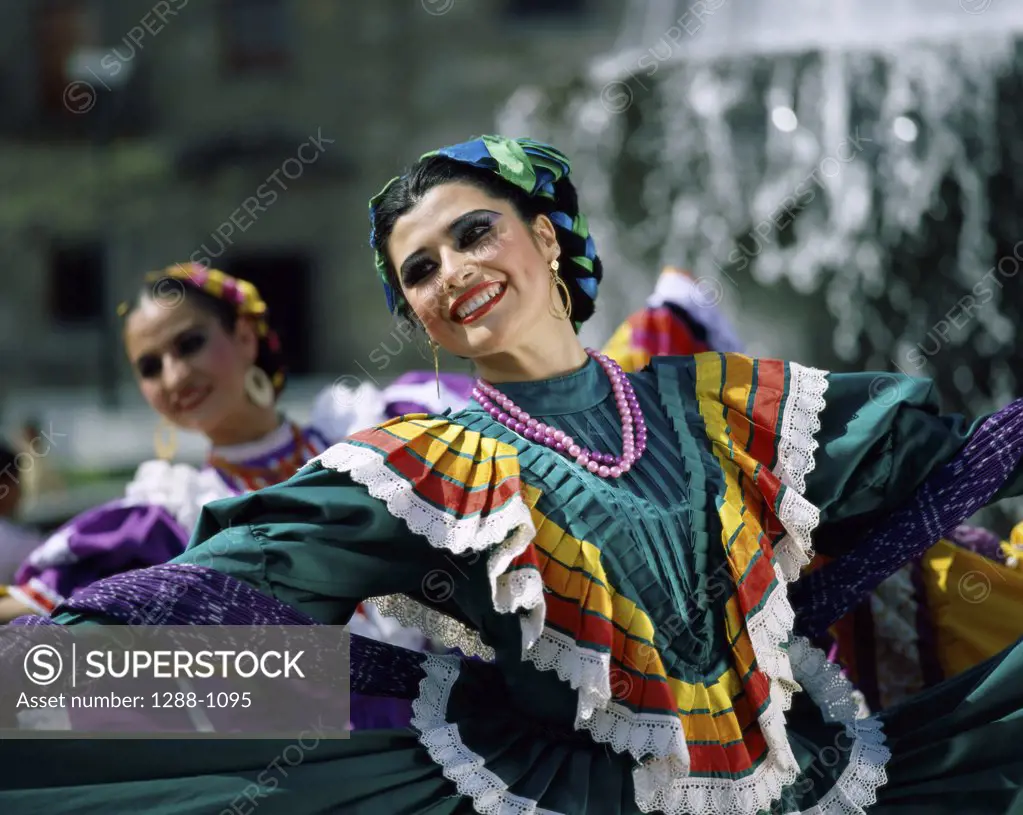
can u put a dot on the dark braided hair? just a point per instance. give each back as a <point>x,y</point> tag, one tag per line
<point>411,187</point>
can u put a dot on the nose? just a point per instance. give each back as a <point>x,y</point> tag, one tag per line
<point>456,268</point>
<point>175,372</point>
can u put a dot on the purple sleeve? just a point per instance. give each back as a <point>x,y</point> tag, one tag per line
<point>101,542</point>
<point>425,392</point>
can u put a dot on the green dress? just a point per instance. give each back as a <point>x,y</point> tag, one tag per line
<point>640,625</point>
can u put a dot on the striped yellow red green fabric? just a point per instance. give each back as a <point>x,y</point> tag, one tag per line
<point>461,474</point>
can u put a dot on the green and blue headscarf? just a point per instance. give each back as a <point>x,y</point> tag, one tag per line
<point>530,166</point>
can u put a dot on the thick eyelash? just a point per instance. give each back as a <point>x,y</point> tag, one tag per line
<point>470,233</point>
<point>418,272</point>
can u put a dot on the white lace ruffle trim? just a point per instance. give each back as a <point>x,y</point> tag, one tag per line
<point>369,622</point>
<point>506,533</point>
<point>771,627</point>
<point>854,792</point>
<point>436,626</point>
<point>512,591</point>
<point>512,526</point>
<point>468,771</point>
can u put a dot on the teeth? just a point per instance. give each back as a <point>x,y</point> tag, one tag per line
<point>478,301</point>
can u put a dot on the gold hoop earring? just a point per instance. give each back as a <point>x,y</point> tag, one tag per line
<point>559,291</point>
<point>436,366</point>
<point>258,387</point>
<point>165,440</point>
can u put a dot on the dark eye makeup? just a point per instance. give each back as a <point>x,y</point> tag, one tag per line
<point>185,345</point>
<point>466,231</point>
<point>190,342</point>
<point>148,366</point>
<point>472,229</point>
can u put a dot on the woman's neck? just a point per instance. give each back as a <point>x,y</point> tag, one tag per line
<point>532,362</point>
<point>249,425</point>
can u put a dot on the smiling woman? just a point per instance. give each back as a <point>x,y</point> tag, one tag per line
<point>206,360</point>
<point>492,272</point>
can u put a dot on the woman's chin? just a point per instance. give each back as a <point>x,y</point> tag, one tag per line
<point>483,344</point>
<point>493,333</point>
<point>201,420</point>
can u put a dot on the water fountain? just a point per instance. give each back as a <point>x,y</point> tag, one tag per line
<point>843,173</point>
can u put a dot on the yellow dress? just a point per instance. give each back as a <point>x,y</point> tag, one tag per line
<point>937,617</point>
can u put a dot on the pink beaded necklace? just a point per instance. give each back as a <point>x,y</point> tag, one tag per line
<point>606,465</point>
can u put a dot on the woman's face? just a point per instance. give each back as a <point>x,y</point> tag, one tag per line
<point>477,277</point>
<point>189,369</point>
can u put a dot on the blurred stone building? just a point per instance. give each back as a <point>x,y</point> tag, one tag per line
<point>248,132</point>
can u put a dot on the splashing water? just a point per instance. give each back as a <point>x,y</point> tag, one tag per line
<point>843,171</point>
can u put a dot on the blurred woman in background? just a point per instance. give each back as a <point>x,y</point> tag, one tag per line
<point>206,360</point>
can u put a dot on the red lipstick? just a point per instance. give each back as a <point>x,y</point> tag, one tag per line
<point>484,309</point>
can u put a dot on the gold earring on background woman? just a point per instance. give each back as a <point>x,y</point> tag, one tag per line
<point>165,440</point>
<point>258,387</point>
<point>559,292</point>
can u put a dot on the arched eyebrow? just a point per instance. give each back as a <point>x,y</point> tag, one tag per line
<point>410,263</point>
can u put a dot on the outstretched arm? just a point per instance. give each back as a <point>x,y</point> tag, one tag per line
<point>317,542</point>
